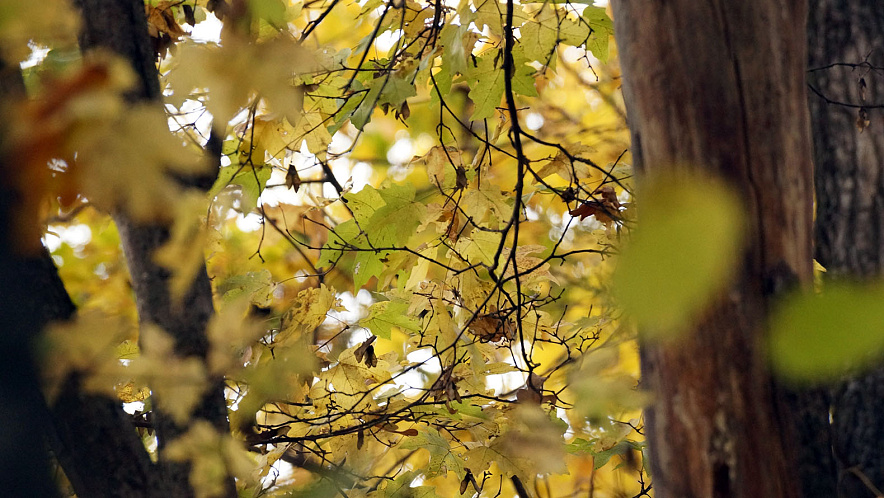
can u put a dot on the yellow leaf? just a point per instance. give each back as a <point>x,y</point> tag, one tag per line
<point>183,253</point>
<point>307,312</point>
<point>178,382</point>
<point>212,457</point>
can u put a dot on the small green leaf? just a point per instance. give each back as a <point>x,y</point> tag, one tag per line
<point>487,85</point>
<point>385,315</point>
<point>368,264</point>
<point>602,29</point>
<point>362,115</point>
<point>442,459</point>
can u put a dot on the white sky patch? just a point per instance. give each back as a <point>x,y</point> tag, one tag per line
<point>401,152</point>
<point>355,305</point>
<point>248,223</point>
<point>76,236</point>
<point>414,380</point>
<point>208,30</point>
<point>504,383</point>
<point>38,53</point>
<point>533,121</point>
<point>359,174</point>
<point>341,142</point>
<point>387,40</point>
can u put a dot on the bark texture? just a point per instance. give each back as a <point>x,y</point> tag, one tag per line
<point>718,86</point>
<point>846,77</point>
<point>121,27</point>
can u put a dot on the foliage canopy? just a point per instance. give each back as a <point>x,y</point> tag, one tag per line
<point>408,238</point>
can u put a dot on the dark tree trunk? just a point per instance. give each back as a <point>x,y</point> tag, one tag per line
<point>846,61</point>
<point>121,26</point>
<point>90,436</point>
<point>718,86</point>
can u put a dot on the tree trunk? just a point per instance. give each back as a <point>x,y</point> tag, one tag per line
<point>718,86</point>
<point>24,462</point>
<point>846,73</point>
<point>91,437</point>
<point>121,26</point>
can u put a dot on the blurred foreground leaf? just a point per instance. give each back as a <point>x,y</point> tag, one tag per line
<point>822,336</point>
<point>684,251</point>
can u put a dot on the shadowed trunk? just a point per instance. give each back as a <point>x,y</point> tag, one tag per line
<point>90,435</point>
<point>846,77</point>
<point>121,26</point>
<point>718,86</point>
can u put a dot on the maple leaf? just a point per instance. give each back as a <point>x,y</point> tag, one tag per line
<point>385,315</point>
<point>179,383</point>
<point>605,210</point>
<point>442,458</point>
<point>487,83</point>
<point>86,345</point>
<point>307,312</point>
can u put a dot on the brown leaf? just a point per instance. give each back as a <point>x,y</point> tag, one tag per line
<point>492,328</point>
<point>366,351</point>
<point>292,179</point>
<point>461,181</point>
<point>604,206</point>
<point>533,390</point>
<point>862,119</point>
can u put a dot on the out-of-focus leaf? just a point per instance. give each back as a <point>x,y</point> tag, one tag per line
<point>683,253</point>
<point>823,336</point>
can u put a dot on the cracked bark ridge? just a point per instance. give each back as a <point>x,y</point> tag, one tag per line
<point>121,26</point>
<point>718,86</point>
<point>847,71</point>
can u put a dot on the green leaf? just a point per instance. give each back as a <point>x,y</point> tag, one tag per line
<point>389,215</point>
<point>362,115</point>
<point>401,488</point>
<point>272,11</point>
<point>487,85</point>
<point>258,285</point>
<point>385,315</point>
<point>250,180</point>
<point>396,91</point>
<point>442,459</point>
<point>344,235</point>
<point>684,251</point>
<point>602,30</point>
<point>367,264</point>
<point>824,336</point>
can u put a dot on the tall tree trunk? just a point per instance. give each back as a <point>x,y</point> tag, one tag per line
<point>846,62</point>
<point>718,86</point>
<point>121,26</point>
<point>24,463</point>
<point>90,435</point>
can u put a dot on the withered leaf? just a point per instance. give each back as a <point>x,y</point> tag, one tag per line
<point>605,206</point>
<point>492,328</point>
<point>862,119</point>
<point>366,352</point>
<point>292,179</point>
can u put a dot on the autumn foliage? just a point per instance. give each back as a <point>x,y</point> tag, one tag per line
<point>408,237</point>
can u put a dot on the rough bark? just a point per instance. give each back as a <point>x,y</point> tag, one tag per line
<point>845,54</point>
<point>718,86</point>
<point>121,26</point>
